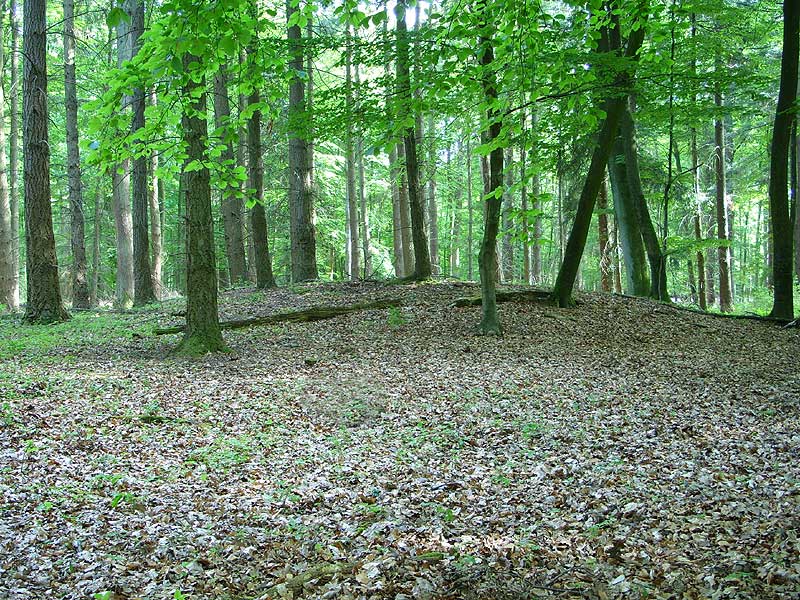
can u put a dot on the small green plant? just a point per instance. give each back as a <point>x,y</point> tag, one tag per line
<point>396,317</point>
<point>532,429</point>
<point>126,497</point>
<point>595,529</point>
<point>31,447</point>
<point>7,416</point>
<point>108,595</point>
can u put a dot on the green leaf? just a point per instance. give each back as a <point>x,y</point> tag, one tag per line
<point>116,16</point>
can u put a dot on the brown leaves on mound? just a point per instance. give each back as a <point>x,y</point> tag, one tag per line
<point>622,449</point>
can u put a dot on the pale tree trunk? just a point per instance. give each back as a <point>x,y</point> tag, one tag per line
<point>301,201</point>
<point>94,289</point>
<point>354,263</point>
<point>203,333</point>
<point>723,252</point>
<point>144,291</point>
<point>422,260</point>
<point>242,161</point>
<point>455,227</point>
<point>155,192</point>
<point>702,300</point>
<point>508,206</point>
<point>602,236</point>
<point>120,181</point>
<point>13,153</point>
<point>44,303</point>
<point>433,213</point>
<point>8,267</point>
<point>523,166</point>
<point>362,194</point>
<point>783,301</point>
<point>405,215</point>
<point>258,214</point>
<point>397,227</point>
<point>231,202</point>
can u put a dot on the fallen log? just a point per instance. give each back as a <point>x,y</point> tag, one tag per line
<point>510,296</point>
<point>315,313</point>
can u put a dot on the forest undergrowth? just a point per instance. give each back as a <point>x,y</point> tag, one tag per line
<point>620,449</point>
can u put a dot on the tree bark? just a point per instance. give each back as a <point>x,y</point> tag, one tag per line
<point>231,202</point>
<point>258,214</point>
<point>433,213</point>
<point>363,208</point>
<point>94,290</point>
<point>202,333</point>
<point>508,206</point>
<point>422,260</point>
<point>397,226</point>
<point>8,296</point>
<point>44,303</point>
<point>487,258</point>
<point>783,301</point>
<point>602,236</point>
<point>301,200</point>
<point>405,214</point>
<point>455,227</point>
<point>120,181</point>
<point>470,218</point>
<point>354,263</point>
<point>13,155</point>
<point>144,291</point>
<point>156,209</point>
<point>723,252</point>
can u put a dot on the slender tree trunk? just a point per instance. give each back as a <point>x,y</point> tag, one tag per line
<point>692,284</point>
<point>120,181</point>
<point>203,333</point>
<point>155,205</point>
<point>723,252</point>
<point>44,303</point>
<point>397,226</point>
<point>508,206</point>
<point>433,214</point>
<point>354,263</point>
<point>144,291</point>
<point>470,218</point>
<point>361,178</point>
<point>783,301</point>
<point>422,260</point>
<point>602,236</point>
<point>231,202</point>
<point>258,214</point>
<point>405,215</point>
<point>242,161</point>
<point>698,236</point>
<point>301,201</point>
<point>94,296</point>
<point>487,258</point>
<point>455,226</point>
<point>615,260</point>
<point>13,153</point>
<point>8,268</point>
<point>523,168</point>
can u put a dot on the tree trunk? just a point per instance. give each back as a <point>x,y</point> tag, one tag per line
<point>44,303</point>
<point>354,263</point>
<point>361,179</point>
<point>615,260</point>
<point>487,258</point>
<point>203,333</point>
<point>231,202</point>
<point>397,226</point>
<point>602,236</point>
<point>94,291</point>
<point>258,214</point>
<point>301,201</point>
<point>405,215</point>
<point>433,213</point>
<point>723,252</point>
<point>455,227</point>
<point>508,206</point>
<point>8,268</point>
<point>698,236</point>
<point>120,184</point>
<point>144,292</point>
<point>12,298</point>
<point>562,291</point>
<point>657,261</point>
<point>155,205</point>
<point>692,285</point>
<point>422,260</point>
<point>470,218</point>
<point>628,224</point>
<point>783,301</point>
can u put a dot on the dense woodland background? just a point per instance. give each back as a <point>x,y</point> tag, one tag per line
<point>343,143</point>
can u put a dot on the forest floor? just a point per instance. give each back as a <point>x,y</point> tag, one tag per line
<point>621,449</point>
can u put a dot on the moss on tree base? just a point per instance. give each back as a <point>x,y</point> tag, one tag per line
<point>198,345</point>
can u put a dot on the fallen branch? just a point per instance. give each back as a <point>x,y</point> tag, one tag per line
<point>512,296</point>
<point>315,313</point>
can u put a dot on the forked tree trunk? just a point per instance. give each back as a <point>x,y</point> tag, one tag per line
<point>203,333</point>
<point>301,200</point>
<point>783,301</point>
<point>44,303</point>
<point>422,260</point>
<point>231,202</point>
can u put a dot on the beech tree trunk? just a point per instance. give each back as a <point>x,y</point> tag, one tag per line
<point>405,215</point>
<point>94,289</point>
<point>422,260</point>
<point>156,210</point>
<point>433,213</point>
<point>301,201</point>
<point>8,297</point>
<point>602,236</point>
<point>13,155</point>
<point>783,301</point>
<point>258,214</point>
<point>397,226</point>
<point>363,208</point>
<point>508,206</point>
<point>231,202</point>
<point>44,303</point>
<point>354,264</point>
<point>120,182</point>
<point>702,279</point>
<point>470,207</point>
<point>723,252</point>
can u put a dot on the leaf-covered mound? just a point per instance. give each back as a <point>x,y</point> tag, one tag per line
<point>619,449</point>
